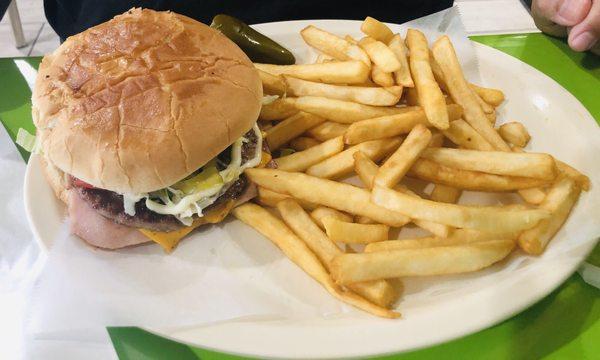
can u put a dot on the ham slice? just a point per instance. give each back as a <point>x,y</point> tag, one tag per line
<point>97,230</point>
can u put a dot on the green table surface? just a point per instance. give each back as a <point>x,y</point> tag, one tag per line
<point>564,325</point>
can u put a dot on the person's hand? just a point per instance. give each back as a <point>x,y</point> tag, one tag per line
<point>577,19</point>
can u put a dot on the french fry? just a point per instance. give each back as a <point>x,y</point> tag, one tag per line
<point>277,110</point>
<point>395,90</point>
<point>301,224</point>
<point>340,72</point>
<point>351,233</point>
<point>370,82</point>
<point>483,218</point>
<point>333,45</point>
<point>458,237</point>
<point>493,97</point>
<point>437,140</point>
<point>487,108</point>
<point>380,54</point>
<point>322,58</point>
<point>471,180</point>
<point>322,212</point>
<point>327,130</point>
<point>412,97</point>
<point>272,85</point>
<point>342,164</point>
<point>514,133</point>
<point>379,292</point>
<point>391,125</point>
<point>376,29</point>
<point>410,243</point>
<point>533,196</point>
<point>534,165</point>
<point>350,268</point>
<point>270,198</point>
<point>297,251</point>
<point>462,134</point>
<point>380,77</point>
<point>438,75</point>
<point>446,194</point>
<point>402,75</point>
<point>443,53</point>
<point>560,200</point>
<point>351,40</point>
<point>303,143</point>
<point>428,91</point>
<point>436,229</point>
<point>302,160</point>
<point>364,95</point>
<point>581,179</point>
<point>344,111</point>
<point>290,128</point>
<point>363,220</point>
<point>340,196</point>
<point>365,168</point>
<point>394,168</point>
<point>517,207</point>
<point>491,118</point>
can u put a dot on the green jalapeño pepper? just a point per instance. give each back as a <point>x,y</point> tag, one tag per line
<point>257,46</point>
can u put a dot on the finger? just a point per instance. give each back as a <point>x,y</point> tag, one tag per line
<point>584,35</point>
<point>546,25</point>
<point>562,12</point>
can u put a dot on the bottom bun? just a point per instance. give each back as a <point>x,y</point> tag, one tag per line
<point>56,178</point>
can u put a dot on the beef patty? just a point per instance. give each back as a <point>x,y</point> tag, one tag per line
<point>110,204</point>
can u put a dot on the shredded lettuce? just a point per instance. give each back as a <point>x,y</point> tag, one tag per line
<point>182,205</point>
<point>27,141</point>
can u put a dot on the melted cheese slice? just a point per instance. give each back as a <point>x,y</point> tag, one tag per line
<point>266,157</point>
<point>168,240</point>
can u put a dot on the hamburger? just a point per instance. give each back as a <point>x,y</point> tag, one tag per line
<point>146,124</point>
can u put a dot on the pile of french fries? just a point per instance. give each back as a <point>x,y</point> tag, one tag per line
<point>386,108</point>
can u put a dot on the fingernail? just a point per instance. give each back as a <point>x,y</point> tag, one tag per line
<point>570,12</point>
<point>583,41</point>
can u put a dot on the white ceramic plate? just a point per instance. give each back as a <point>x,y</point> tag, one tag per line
<point>559,125</point>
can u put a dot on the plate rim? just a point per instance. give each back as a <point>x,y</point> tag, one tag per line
<point>33,158</point>
<point>511,311</point>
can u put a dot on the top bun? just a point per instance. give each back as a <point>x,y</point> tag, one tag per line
<point>138,103</point>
